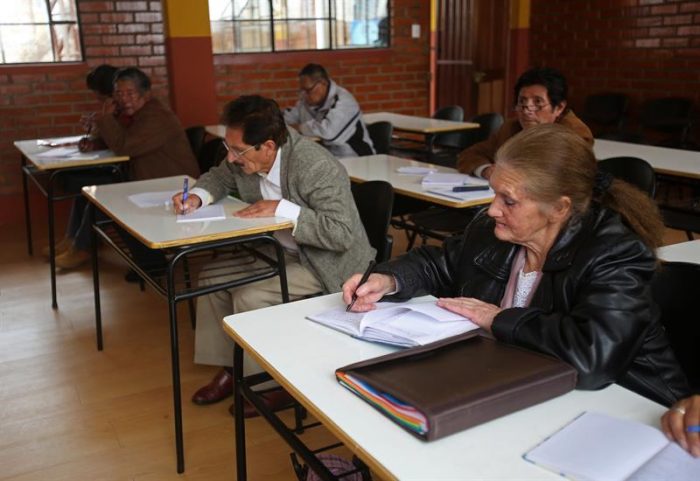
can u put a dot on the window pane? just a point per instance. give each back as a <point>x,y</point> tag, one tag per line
<point>251,37</point>
<point>222,37</point>
<point>26,43</point>
<point>66,43</point>
<point>300,9</point>
<point>220,10</point>
<point>359,24</point>
<point>302,35</point>
<point>63,10</point>
<point>251,9</point>
<point>24,11</point>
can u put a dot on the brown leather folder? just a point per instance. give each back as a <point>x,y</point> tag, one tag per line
<point>463,381</point>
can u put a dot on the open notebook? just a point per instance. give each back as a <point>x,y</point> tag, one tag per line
<point>598,447</point>
<point>399,324</point>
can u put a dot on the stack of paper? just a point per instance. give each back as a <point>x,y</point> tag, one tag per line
<point>59,141</point>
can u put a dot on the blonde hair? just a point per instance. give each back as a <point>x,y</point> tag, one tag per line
<point>556,162</point>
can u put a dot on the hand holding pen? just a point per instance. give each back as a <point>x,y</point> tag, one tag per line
<point>372,286</point>
<point>364,278</point>
<point>184,202</point>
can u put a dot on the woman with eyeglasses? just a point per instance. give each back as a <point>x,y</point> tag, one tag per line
<point>540,95</point>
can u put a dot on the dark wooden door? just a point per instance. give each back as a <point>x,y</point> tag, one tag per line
<point>472,55</point>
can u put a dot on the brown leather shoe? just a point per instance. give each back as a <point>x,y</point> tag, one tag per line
<point>217,390</point>
<point>62,246</point>
<point>275,400</point>
<point>72,258</point>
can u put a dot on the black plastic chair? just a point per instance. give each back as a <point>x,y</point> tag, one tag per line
<point>374,200</point>
<point>446,154</point>
<point>675,289</point>
<point>380,133</point>
<point>632,170</point>
<point>604,113</point>
<point>211,154</point>
<point>451,112</point>
<point>196,135</point>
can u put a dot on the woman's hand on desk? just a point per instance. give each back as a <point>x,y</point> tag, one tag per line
<point>681,423</point>
<point>376,287</point>
<point>479,312</point>
<point>192,203</point>
<point>262,208</point>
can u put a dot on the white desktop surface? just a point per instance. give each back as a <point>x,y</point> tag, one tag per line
<point>156,227</point>
<point>302,356</point>
<point>31,150</point>
<point>682,252</point>
<point>422,125</point>
<point>385,167</point>
<point>678,162</point>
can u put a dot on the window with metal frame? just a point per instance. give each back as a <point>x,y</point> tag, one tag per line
<point>39,31</point>
<point>248,26</point>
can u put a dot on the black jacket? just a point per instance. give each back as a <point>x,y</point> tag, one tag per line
<point>592,308</point>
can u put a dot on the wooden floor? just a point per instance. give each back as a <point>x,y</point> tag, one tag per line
<point>69,412</point>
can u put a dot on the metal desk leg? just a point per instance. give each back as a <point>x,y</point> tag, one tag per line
<point>52,245</point>
<point>95,277</point>
<point>239,420</point>
<point>27,212</point>
<point>175,359</point>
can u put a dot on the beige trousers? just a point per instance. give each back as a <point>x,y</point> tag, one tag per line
<point>212,345</point>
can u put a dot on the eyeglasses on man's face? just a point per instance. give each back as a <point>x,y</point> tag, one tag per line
<point>308,90</point>
<point>235,153</point>
<point>525,105</point>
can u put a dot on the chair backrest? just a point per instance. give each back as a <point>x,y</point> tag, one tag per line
<point>196,137</point>
<point>669,114</point>
<point>211,154</point>
<point>451,112</point>
<point>632,170</point>
<point>380,133</point>
<point>374,200</point>
<point>675,290</point>
<point>605,110</point>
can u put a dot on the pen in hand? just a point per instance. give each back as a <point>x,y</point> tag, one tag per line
<point>185,188</point>
<point>369,270</point>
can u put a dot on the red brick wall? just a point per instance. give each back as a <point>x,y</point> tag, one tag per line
<point>393,79</point>
<point>48,100</point>
<point>644,48</point>
<point>44,101</point>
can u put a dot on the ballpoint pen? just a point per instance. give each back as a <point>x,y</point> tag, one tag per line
<point>469,188</point>
<point>369,270</point>
<point>185,188</point>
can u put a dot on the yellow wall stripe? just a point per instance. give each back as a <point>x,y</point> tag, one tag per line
<point>519,14</point>
<point>186,18</point>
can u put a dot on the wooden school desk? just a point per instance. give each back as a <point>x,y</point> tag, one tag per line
<point>302,357</point>
<point>188,247</point>
<point>682,252</point>
<point>385,167</point>
<point>44,172</point>
<point>425,126</point>
<point>664,160</point>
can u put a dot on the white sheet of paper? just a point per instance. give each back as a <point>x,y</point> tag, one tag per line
<point>451,179</point>
<point>210,212</point>
<point>411,170</point>
<point>473,195</point>
<point>599,447</point>
<point>152,199</point>
<point>71,153</point>
<point>58,141</point>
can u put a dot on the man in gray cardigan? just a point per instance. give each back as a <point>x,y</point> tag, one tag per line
<point>279,173</point>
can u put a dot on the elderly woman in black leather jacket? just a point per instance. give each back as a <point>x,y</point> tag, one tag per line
<point>561,263</point>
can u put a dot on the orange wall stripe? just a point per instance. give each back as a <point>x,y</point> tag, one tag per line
<point>187,18</point>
